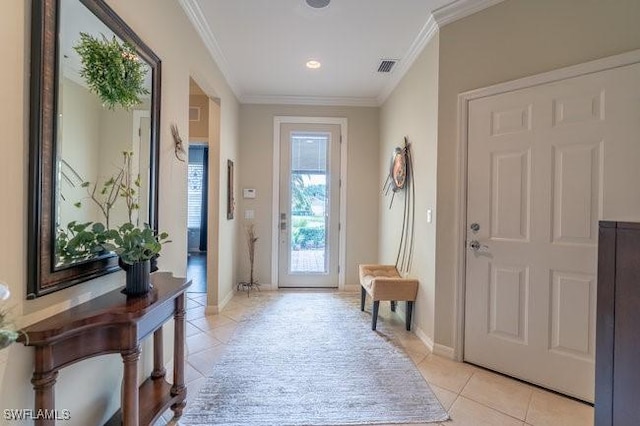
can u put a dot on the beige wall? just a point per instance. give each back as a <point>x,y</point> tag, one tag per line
<point>363,191</point>
<point>412,110</point>
<point>80,149</point>
<point>199,129</point>
<point>91,388</point>
<point>513,39</point>
<point>116,136</point>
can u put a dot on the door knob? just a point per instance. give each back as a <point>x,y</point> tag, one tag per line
<point>476,246</point>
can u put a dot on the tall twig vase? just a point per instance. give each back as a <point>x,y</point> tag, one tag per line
<point>138,278</point>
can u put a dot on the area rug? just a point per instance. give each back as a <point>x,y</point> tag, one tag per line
<point>312,359</point>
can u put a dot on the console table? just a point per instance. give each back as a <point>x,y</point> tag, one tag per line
<point>115,323</point>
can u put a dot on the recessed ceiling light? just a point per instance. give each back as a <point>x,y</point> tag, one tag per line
<point>313,64</point>
<point>318,4</point>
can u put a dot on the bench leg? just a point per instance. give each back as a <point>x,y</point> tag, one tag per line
<point>408,317</point>
<point>374,315</point>
<point>363,296</point>
<point>393,305</point>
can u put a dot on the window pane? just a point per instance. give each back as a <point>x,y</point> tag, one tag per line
<point>309,202</point>
<point>194,195</point>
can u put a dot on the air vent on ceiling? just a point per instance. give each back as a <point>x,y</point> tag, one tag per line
<point>386,65</point>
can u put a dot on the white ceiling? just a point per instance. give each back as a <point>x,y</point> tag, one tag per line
<point>262,46</point>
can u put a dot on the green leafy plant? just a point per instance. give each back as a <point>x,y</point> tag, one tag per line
<point>80,241</point>
<point>83,241</point>
<point>135,244</point>
<point>106,197</point>
<point>309,237</point>
<point>8,333</point>
<point>112,70</point>
<point>123,185</point>
<point>129,186</point>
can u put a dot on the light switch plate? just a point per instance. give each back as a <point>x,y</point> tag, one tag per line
<point>249,214</point>
<point>248,193</point>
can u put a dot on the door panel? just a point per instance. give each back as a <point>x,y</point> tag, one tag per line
<point>577,180</point>
<point>538,162</point>
<point>510,195</point>
<point>309,205</point>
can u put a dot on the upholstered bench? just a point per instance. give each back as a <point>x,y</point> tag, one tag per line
<point>383,282</point>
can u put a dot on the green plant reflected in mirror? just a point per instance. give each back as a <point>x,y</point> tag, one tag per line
<point>95,96</point>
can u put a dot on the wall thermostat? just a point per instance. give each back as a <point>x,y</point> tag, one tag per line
<point>248,193</point>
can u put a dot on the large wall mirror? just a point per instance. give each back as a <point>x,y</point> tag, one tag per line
<point>95,109</point>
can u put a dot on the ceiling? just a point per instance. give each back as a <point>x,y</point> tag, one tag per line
<point>261,46</point>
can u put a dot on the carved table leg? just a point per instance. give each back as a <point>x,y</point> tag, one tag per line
<point>178,388</point>
<point>130,407</point>
<point>45,396</point>
<point>158,364</point>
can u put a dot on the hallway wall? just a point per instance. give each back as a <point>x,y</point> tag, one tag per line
<point>91,389</point>
<point>412,110</point>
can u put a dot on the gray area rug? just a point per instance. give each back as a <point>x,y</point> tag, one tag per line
<point>312,359</point>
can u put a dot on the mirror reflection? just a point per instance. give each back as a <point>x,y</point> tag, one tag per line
<point>103,135</point>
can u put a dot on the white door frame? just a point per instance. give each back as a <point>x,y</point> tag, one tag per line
<point>342,122</point>
<point>591,67</point>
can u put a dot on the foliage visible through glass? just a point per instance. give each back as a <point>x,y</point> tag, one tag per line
<point>309,203</point>
<point>79,241</point>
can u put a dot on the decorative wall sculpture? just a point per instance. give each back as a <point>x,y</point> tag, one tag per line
<point>400,179</point>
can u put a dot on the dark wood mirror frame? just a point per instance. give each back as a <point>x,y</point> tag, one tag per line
<point>43,278</point>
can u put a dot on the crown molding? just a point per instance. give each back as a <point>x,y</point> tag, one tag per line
<point>457,9</point>
<point>426,33</point>
<point>195,15</point>
<point>460,9</point>
<point>309,100</point>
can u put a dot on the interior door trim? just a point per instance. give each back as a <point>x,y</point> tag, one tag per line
<point>616,61</point>
<point>275,203</point>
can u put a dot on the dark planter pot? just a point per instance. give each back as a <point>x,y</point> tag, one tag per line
<point>138,278</point>
<point>154,263</point>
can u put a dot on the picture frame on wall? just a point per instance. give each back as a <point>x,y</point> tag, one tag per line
<point>230,199</point>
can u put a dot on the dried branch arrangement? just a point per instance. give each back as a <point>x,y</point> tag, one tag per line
<point>252,239</point>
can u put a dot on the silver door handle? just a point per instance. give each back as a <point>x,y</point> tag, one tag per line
<point>476,246</point>
<point>283,221</point>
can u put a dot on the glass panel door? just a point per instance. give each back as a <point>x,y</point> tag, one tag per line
<point>309,211</point>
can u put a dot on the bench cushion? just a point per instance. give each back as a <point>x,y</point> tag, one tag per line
<point>383,282</point>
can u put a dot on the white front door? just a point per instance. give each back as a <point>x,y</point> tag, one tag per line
<point>309,205</point>
<point>541,168</point>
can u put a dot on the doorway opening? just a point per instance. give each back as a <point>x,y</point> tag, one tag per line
<point>197,212</point>
<point>197,188</point>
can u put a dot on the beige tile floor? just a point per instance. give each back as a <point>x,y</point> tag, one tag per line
<point>471,395</point>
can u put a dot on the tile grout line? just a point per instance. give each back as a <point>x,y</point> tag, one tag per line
<point>495,409</point>
<point>526,415</point>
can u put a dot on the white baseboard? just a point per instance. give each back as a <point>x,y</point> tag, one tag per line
<point>444,351</point>
<point>226,300</point>
<point>428,341</point>
<point>216,309</point>
<point>351,288</point>
<point>268,287</point>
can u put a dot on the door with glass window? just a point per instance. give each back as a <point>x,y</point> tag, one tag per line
<point>309,205</point>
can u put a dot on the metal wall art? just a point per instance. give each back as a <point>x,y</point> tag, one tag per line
<point>177,142</point>
<point>400,179</point>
